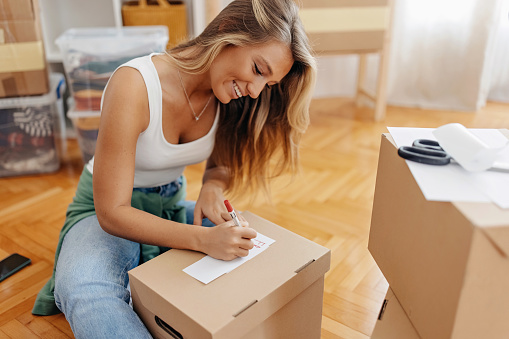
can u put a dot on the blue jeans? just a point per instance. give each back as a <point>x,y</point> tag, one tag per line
<point>91,281</point>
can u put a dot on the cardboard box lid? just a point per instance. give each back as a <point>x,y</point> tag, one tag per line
<point>488,217</point>
<point>245,293</point>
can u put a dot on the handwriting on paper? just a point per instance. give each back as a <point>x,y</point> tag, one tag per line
<point>208,269</point>
<point>258,243</point>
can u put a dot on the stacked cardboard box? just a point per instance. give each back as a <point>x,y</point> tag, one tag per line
<point>23,69</point>
<point>446,262</point>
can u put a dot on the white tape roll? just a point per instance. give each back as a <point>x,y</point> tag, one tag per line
<point>465,148</point>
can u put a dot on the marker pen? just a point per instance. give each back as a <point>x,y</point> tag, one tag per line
<point>232,212</point>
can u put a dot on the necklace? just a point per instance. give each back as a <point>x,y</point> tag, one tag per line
<point>196,117</point>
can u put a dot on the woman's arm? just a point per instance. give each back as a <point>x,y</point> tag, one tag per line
<point>124,116</point>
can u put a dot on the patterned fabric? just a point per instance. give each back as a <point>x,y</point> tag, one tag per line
<point>34,121</point>
<point>27,143</point>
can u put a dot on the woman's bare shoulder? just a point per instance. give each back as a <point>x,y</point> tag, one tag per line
<point>126,96</point>
<point>127,80</point>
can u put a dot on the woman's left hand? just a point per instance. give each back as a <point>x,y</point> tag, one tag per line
<point>210,204</point>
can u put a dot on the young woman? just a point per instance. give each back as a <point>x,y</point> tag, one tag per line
<point>237,95</point>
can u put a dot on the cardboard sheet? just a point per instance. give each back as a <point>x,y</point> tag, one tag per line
<point>208,269</point>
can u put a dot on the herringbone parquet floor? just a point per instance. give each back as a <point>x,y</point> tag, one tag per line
<point>329,203</point>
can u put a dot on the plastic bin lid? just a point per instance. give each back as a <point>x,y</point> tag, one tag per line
<point>111,40</point>
<point>72,113</point>
<point>57,83</point>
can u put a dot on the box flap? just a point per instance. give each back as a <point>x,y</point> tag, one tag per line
<point>499,237</point>
<point>393,322</point>
<point>235,302</point>
<point>491,219</point>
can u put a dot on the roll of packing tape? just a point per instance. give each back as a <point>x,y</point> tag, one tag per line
<point>466,148</point>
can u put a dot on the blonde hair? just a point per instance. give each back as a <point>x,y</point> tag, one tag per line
<point>268,128</point>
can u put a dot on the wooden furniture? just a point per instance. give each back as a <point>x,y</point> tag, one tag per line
<point>353,27</point>
<point>160,12</point>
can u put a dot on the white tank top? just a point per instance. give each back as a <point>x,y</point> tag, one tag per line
<point>159,162</point>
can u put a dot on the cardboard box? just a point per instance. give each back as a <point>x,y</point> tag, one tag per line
<point>447,262</point>
<point>23,68</point>
<point>392,322</point>
<point>277,294</point>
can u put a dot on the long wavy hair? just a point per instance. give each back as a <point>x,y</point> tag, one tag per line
<point>268,128</point>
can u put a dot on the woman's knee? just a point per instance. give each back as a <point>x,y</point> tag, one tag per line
<point>92,263</point>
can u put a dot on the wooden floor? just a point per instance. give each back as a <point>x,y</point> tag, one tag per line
<point>329,203</point>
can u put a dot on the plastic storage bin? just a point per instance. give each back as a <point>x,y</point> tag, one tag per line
<point>86,125</point>
<point>32,131</point>
<point>90,55</point>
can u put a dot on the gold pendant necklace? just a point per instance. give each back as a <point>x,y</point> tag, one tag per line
<point>196,117</point>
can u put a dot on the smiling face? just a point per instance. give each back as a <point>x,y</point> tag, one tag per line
<point>241,71</point>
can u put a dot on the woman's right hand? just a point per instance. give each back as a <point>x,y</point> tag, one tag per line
<point>227,241</point>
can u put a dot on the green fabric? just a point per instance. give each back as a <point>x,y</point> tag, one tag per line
<point>82,206</point>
